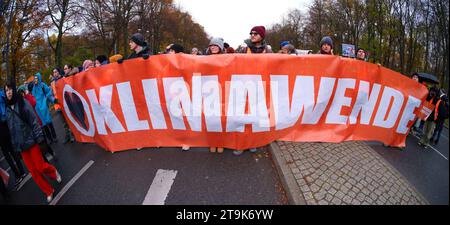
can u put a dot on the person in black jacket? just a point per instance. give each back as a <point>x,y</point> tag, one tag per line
<point>138,46</point>
<point>430,121</point>
<point>26,134</point>
<point>442,115</point>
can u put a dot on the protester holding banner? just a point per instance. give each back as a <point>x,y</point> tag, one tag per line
<point>87,64</point>
<point>195,51</point>
<point>26,134</point>
<point>361,54</point>
<point>43,95</point>
<point>288,49</point>
<point>326,46</point>
<point>12,158</point>
<point>417,124</point>
<point>228,49</point>
<point>256,43</point>
<point>215,46</point>
<point>430,122</point>
<point>100,61</point>
<point>139,46</point>
<point>56,77</point>
<point>175,48</point>
<point>69,70</point>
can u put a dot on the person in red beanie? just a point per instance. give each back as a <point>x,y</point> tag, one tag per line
<point>256,43</point>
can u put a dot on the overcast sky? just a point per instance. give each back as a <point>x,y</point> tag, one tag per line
<point>233,19</point>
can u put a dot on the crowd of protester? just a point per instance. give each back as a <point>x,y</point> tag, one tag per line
<point>26,122</point>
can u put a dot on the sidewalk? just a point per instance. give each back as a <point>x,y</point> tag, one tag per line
<point>336,174</point>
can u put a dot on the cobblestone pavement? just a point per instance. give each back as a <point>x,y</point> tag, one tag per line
<point>345,173</point>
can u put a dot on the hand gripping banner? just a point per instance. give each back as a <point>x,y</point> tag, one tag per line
<point>239,101</point>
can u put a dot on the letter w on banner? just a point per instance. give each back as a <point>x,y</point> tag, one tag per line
<point>239,101</point>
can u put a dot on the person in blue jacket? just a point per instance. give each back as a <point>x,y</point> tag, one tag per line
<point>43,95</point>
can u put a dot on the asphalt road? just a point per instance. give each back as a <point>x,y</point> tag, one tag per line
<point>202,178</point>
<point>426,169</point>
<point>207,178</point>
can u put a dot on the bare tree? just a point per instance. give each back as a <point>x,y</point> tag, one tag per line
<point>63,16</point>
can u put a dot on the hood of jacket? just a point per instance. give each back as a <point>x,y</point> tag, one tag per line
<point>39,77</point>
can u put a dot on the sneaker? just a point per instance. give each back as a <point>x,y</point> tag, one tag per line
<point>220,150</point>
<point>212,149</point>
<point>50,198</point>
<point>185,148</point>
<point>58,177</point>
<point>237,153</point>
<point>253,150</point>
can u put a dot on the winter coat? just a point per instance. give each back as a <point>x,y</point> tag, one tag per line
<point>144,51</point>
<point>264,48</point>
<point>32,101</point>
<point>42,93</point>
<point>442,112</point>
<point>434,102</point>
<point>25,130</point>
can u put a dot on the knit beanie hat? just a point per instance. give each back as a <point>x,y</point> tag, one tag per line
<point>138,39</point>
<point>177,48</point>
<point>327,40</point>
<point>261,30</point>
<point>115,58</point>
<point>218,42</point>
<point>284,43</point>
<point>102,59</point>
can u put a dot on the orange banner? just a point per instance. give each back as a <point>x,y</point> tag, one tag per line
<point>238,101</point>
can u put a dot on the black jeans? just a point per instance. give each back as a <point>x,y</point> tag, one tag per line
<point>437,131</point>
<point>49,132</point>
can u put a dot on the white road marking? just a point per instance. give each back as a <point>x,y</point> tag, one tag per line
<point>24,181</point>
<point>160,187</point>
<point>71,182</point>
<point>433,148</point>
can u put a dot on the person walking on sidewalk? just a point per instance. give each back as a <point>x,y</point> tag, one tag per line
<point>26,134</point>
